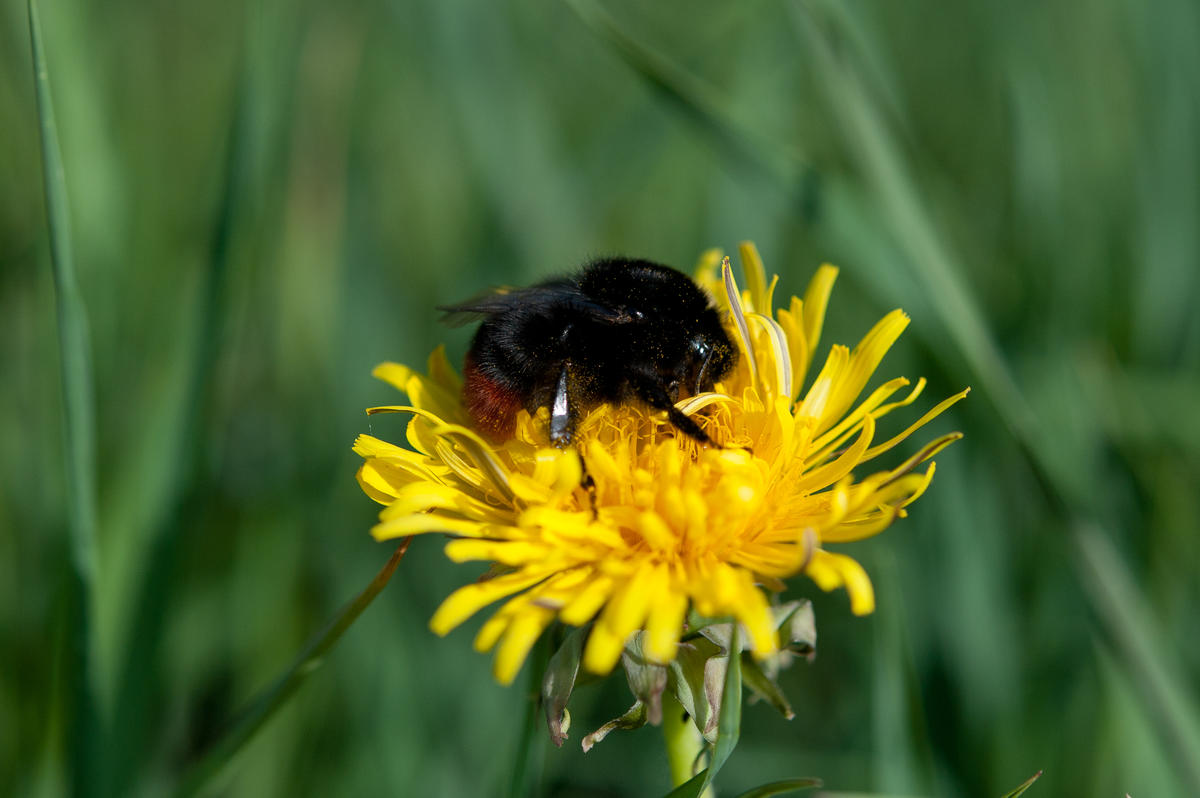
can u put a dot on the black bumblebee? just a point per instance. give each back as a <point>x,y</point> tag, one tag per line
<point>618,331</point>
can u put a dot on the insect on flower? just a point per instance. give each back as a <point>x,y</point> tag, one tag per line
<point>619,331</point>
<point>661,529</point>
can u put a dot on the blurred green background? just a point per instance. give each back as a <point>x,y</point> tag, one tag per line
<point>269,198</point>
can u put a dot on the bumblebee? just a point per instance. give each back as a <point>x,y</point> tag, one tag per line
<point>618,331</point>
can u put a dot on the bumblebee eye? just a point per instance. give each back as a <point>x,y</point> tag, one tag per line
<point>701,347</point>
<point>626,314</point>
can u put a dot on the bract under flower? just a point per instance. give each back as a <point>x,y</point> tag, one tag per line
<point>663,524</point>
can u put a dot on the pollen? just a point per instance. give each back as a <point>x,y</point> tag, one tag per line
<point>637,524</point>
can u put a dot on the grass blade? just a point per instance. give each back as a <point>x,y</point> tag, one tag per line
<point>884,169</point>
<point>80,426</point>
<point>781,787</point>
<point>697,100</point>
<point>1132,629</point>
<point>691,788</point>
<point>135,690</point>
<point>270,700</point>
<point>1109,588</point>
<point>1025,785</point>
<point>74,345</point>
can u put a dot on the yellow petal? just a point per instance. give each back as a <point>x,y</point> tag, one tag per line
<point>481,455</point>
<point>375,485</point>
<point>426,522</point>
<point>519,637</point>
<point>903,491</point>
<point>820,394</point>
<point>621,617</point>
<point>588,601</point>
<point>791,321</point>
<point>756,276</point>
<point>775,354</point>
<point>694,404</point>
<point>830,570</point>
<point>739,321</point>
<point>470,599</point>
<point>528,490</point>
<point>860,530</point>
<point>493,629</point>
<point>603,650</point>
<point>655,531</point>
<point>837,435</point>
<point>442,373</point>
<point>922,421</point>
<point>422,496</point>
<point>370,446</point>
<point>568,525</point>
<point>663,625</point>
<point>507,552</point>
<point>835,470</point>
<point>705,272</point>
<point>754,614</point>
<point>816,299</point>
<point>569,474</point>
<point>863,361</point>
<point>628,606</point>
<point>394,374</point>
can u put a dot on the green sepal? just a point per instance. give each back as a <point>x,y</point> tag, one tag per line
<point>797,628</point>
<point>562,673</point>
<point>797,634</point>
<point>795,625</point>
<point>634,718</point>
<point>764,686</point>
<point>729,721</point>
<point>647,680</point>
<point>697,677</point>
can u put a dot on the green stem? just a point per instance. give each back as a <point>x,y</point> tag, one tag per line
<point>684,743</point>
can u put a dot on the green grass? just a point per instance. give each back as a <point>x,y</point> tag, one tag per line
<point>265,201</point>
<point>81,722</point>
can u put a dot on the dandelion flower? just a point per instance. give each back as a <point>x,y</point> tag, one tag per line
<point>663,524</point>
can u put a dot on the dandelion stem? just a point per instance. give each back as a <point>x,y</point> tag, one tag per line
<point>684,743</point>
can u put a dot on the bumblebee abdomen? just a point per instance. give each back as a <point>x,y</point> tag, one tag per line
<point>492,405</point>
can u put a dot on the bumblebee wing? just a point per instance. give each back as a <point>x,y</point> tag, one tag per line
<point>480,306</point>
<point>558,294</point>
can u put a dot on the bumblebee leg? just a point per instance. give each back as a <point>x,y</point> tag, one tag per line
<point>655,395</point>
<point>685,425</point>
<point>560,411</point>
<point>589,485</point>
